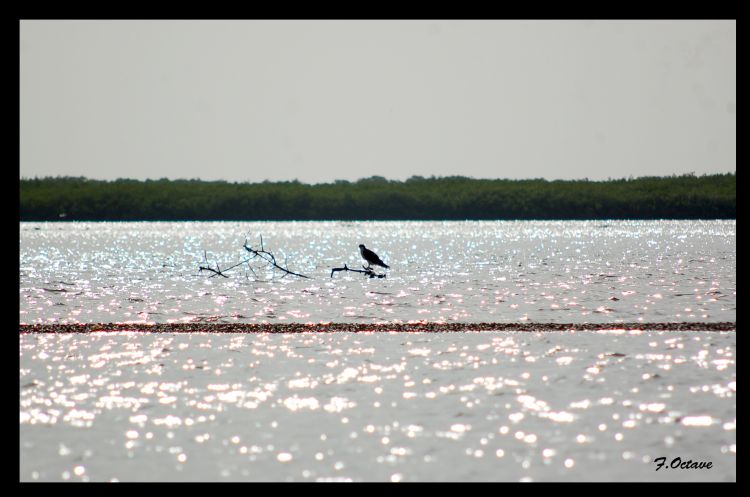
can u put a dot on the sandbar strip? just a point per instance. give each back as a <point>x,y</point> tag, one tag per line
<point>435,327</point>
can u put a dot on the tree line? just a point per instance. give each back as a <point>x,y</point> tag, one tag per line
<point>376,198</point>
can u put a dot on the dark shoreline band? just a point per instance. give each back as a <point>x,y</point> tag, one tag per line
<point>364,328</point>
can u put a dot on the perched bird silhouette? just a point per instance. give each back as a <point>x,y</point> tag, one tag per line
<point>371,257</point>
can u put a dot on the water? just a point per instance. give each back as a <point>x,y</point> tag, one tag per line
<point>546,271</point>
<point>489,406</point>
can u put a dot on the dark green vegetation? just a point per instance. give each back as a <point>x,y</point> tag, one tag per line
<point>676,197</point>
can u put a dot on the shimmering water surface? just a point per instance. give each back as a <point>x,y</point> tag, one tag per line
<point>489,406</point>
<point>545,271</point>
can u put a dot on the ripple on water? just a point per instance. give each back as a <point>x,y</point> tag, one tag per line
<point>541,271</point>
<point>314,407</point>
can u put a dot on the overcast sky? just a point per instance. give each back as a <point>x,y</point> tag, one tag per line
<point>324,100</point>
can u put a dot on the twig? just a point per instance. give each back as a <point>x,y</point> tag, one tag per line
<point>367,270</point>
<point>262,253</point>
<point>207,267</point>
<point>216,272</point>
<point>269,258</point>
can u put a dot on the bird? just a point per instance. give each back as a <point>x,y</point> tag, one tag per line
<point>371,257</point>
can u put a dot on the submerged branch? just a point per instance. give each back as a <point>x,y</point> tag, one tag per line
<point>367,270</point>
<point>269,258</point>
<point>263,254</point>
<point>207,267</point>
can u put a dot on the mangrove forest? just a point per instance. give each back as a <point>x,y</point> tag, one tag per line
<point>376,198</point>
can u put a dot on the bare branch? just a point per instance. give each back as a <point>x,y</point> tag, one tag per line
<point>217,271</point>
<point>269,258</point>
<point>207,267</point>
<point>263,254</point>
<point>367,270</point>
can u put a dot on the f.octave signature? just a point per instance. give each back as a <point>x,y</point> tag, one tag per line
<point>678,463</point>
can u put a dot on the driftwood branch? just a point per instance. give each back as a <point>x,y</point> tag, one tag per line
<point>269,258</point>
<point>366,270</point>
<point>263,254</point>
<point>207,267</point>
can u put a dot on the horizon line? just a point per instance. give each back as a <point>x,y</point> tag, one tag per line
<point>382,178</point>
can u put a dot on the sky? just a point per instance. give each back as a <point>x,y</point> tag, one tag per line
<point>319,101</point>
